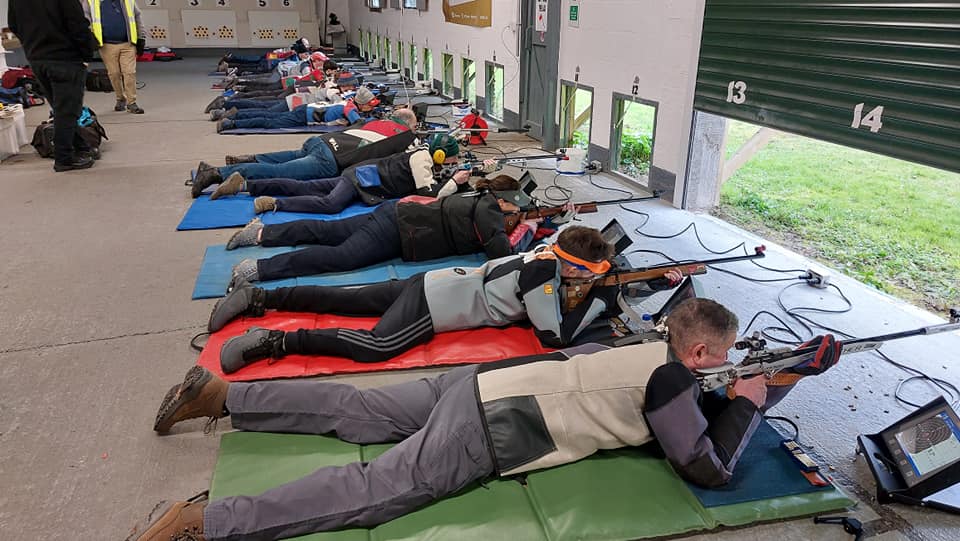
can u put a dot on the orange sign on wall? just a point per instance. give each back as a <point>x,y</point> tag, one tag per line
<point>468,12</point>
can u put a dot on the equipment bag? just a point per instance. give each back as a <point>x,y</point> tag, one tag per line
<point>15,77</point>
<point>88,128</point>
<point>98,81</point>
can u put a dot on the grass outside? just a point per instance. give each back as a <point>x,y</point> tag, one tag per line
<point>889,223</point>
<point>636,142</point>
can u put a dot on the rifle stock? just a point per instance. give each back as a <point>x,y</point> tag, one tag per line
<point>575,291</point>
<point>510,221</point>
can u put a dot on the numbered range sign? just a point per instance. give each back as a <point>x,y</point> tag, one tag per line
<point>195,3</point>
<point>273,28</point>
<point>221,3</point>
<point>265,4</point>
<point>209,27</point>
<point>156,24</point>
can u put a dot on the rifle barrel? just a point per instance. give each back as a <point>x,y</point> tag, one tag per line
<point>757,255</point>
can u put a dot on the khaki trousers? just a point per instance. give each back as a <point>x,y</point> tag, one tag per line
<point>121,62</point>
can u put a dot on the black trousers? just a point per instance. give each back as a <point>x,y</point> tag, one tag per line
<point>404,323</point>
<point>63,84</point>
<point>343,245</point>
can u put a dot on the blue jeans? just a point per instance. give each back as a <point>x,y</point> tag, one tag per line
<point>342,245</point>
<point>322,196</point>
<point>276,106</point>
<point>313,160</point>
<point>262,118</point>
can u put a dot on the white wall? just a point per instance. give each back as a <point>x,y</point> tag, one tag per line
<point>429,29</point>
<point>3,12</point>
<point>168,14</point>
<point>655,40</point>
<point>616,41</point>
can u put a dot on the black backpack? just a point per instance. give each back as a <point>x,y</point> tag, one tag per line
<point>89,130</point>
<point>98,81</point>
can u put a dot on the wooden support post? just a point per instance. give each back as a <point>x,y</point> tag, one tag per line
<point>749,149</point>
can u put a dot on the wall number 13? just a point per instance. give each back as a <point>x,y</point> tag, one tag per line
<point>872,120</point>
<point>737,92</point>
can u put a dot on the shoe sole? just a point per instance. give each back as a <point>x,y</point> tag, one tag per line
<point>145,523</point>
<point>177,396</point>
<point>65,169</point>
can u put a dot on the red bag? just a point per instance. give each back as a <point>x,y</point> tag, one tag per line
<point>147,56</point>
<point>13,77</point>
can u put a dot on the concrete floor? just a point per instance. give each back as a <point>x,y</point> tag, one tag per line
<point>96,284</point>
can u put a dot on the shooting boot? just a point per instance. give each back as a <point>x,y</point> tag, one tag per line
<point>230,113</point>
<point>242,158</point>
<point>217,103</point>
<point>264,203</point>
<point>216,114</point>
<point>224,124</point>
<point>201,394</point>
<point>248,236</point>
<point>257,343</point>
<point>207,176</point>
<point>178,521</point>
<point>242,300</point>
<point>244,271</point>
<point>234,184</point>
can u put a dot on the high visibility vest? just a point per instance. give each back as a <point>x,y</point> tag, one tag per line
<point>96,23</point>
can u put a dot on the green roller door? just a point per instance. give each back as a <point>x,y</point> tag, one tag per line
<point>880,76</point>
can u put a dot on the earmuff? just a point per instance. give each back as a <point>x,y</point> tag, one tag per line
<point>439,156</point>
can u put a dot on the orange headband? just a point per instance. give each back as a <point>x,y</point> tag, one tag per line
<point>596,268</point>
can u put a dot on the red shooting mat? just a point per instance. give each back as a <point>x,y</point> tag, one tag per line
<point>446,349</point>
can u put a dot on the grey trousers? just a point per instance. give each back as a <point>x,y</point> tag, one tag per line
<point>442,449</point>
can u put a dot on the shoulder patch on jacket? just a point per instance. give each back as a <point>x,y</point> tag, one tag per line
<point>535,273</point>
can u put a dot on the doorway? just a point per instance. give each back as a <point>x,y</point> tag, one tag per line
<point>539,65</point>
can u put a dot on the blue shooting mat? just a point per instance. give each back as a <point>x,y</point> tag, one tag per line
<point>280,131</point>
<point>237,211</point>
<point>214,275</point>
<point>764,471</point>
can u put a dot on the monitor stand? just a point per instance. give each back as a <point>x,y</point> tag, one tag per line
<point>941,491</point>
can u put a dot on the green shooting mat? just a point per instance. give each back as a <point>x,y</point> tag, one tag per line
<point>613,495</point>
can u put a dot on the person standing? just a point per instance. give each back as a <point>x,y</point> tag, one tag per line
<point>119,33</point>
<point>58,43</point>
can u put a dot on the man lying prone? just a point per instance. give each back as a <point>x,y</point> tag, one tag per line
<point>415,229</point>
<point>478,422</point>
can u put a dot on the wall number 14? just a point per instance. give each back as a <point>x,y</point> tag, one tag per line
<point>872,120</point>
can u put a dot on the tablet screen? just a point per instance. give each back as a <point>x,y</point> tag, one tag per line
<point>926,444</point>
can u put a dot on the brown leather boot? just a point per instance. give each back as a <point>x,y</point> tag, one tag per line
<point>202,394</point>
<point>242,158</point>
<point>181,521</point>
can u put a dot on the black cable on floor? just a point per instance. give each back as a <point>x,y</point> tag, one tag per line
<point>796,429</point>
<point>808,324</point>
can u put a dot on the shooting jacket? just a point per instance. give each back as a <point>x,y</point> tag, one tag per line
<point>462,223</point>
<point>563,406</point>
<point>509,290</point>
<point>355,146</point>
<point>402,174</point>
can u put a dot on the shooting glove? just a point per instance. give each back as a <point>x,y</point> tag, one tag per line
<point>662,284</point>
<point>140,45</point>
<point>828,353</point>
<point>487,167</point>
